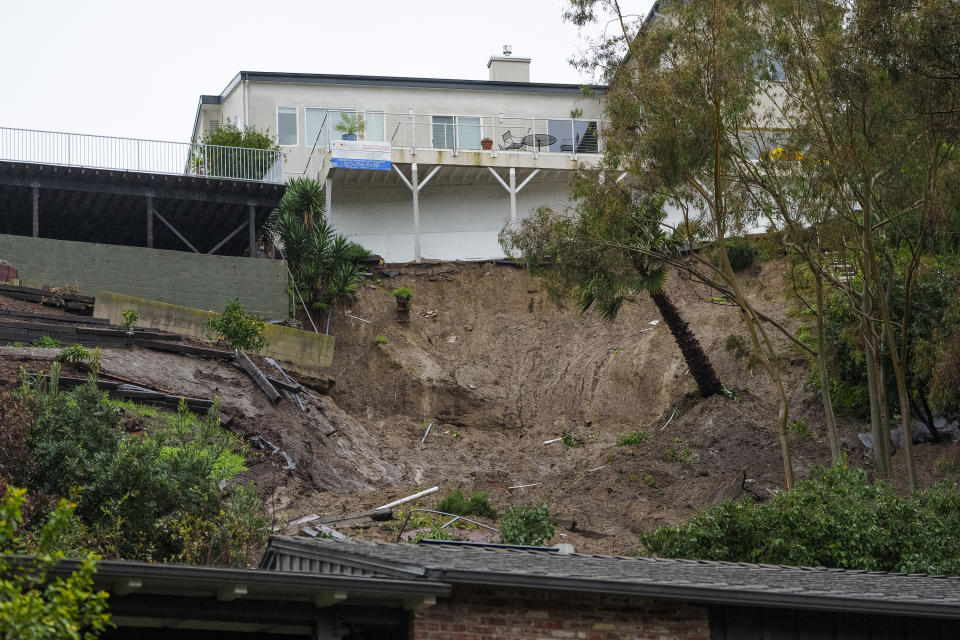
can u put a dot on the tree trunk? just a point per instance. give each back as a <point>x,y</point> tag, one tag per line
<point>700,367</point>
<point>836,453</point>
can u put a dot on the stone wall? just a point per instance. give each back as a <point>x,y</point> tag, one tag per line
<point>507,614</point>
<point>304,351</point>
<point>189,279</point>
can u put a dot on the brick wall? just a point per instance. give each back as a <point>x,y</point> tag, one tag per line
<point>499,614</point>
<point>178,277</point>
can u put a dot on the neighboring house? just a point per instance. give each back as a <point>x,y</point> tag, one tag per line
<point>328,590</point>
<point>417,183</point>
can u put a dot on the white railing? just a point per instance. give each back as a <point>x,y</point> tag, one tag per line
<point>147,156</point>
<point>458,132</point>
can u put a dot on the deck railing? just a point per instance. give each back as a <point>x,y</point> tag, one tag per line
<point>147,156</point>
<point>459,132</point>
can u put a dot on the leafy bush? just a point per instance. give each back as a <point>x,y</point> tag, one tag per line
<point>240,329</point>
<point>75,354</point>
<point>33,605</point>
<point>152,496</point>
<point>740,252</point>
<point>130,318</point>
<point>382,339</point>
<point>46,342</point>
<point>458,504</point>
<point>678,451</point>
<point>403,296</point>
<point>833,519</point>
<point>530,525</point>
<point>436,533</point>
<point>637,437</point>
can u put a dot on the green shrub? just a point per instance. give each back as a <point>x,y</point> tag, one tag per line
<point>436,533</point>
<point>75,354</point>
<point>836,518</point>
<point>46,342</point>
<point>130,318</point>
<point>403,296</point>
<point>800,428</point>
<point>382,339</point>
<point>240,329</point>
<point>530,525</point>
<point>740,252</point>
<point>458,504</point>
<point>678,451</point>
<point>734,344</point>
<point>637,437</point>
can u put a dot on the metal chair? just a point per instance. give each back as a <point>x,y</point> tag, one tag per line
<point>512,143</point>
<point>569,145</point>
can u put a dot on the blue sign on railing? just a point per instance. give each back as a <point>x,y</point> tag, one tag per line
<point>351,154</point>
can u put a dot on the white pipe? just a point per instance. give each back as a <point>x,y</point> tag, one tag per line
<point>409,498</point>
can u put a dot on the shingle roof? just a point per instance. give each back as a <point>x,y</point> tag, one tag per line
<point>703,581</point>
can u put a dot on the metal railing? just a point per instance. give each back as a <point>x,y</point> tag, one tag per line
<point>458,132</point>
<point>147,156</point>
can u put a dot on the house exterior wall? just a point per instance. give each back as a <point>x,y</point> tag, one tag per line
<point>456,222</point>
<point>264,98</point>
<point>472,613</point>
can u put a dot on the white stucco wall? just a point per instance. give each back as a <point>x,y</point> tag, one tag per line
<point>456,222</point>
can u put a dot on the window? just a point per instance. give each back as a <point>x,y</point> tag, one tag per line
<point>574,136</point>
<point>320,124</point>
<point>287,126</point>
<point>214,125</point>
<point>456,132</point>
<point>376,130</point>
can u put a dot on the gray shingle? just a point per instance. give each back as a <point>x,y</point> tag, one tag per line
<point>699,580</point>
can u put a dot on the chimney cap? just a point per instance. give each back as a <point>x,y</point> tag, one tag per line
<point>507,50</point>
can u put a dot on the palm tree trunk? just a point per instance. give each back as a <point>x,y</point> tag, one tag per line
<point>700,367</point>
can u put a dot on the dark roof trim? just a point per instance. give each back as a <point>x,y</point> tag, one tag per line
<point>278,546</point>
<point>175,577</point>
<point>724,595</point>
<point>208,99</point>
<point>425,83</point>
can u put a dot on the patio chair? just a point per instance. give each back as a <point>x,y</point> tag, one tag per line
<point>512,143</point>
<point>569,145</point>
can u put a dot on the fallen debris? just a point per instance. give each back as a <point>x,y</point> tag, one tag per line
<point>244,362</point>
<point>137,392</point>
<point>524,486</point>
<point>409,498</point>
<point>429,426</point>
<point>314,532</point>
<point>552,441</point>
<point>174,347</point>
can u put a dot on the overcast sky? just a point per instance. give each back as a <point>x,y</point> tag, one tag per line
<point>136,69</point>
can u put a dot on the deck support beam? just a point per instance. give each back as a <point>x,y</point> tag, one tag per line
<point>175,232</point>
<point>512,188</point>
<point>415,186</point>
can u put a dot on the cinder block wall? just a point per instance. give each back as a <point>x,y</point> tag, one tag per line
<point>189,279</point>
<point>508,614</point>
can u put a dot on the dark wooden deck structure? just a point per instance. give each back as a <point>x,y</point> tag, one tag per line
<point>161,211</point>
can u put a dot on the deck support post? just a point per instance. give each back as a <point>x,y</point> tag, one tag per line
<point>36,211</point>
<point>150,221</point>
<point>512,188</point>
<point>415,186</point>
<point>328,198</point>
<point>252,226</point>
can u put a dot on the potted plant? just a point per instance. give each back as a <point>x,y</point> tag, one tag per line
<point>350,125</point>
<point>486,144</point>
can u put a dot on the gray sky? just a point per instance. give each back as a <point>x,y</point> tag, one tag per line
<point>136,69</point>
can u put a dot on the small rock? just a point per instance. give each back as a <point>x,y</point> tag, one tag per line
<point>452,339</point>
<point>468,327</point>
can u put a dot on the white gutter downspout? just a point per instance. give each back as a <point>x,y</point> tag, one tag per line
<point>246,103</point>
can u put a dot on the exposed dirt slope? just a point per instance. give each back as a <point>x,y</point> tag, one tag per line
<point>498,369</point>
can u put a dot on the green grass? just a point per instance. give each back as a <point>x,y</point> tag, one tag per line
<point>637,437</point>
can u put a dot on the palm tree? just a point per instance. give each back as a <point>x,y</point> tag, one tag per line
<point>322,263</point>
<point>603,254</point>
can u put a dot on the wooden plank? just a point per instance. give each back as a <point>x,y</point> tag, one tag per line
<point>117,332</point>
<point>52,318</point>
<point>292,387</point>
<point>173,347</point>
<point>261,380</point>
<point>69,381</point>
<point>13,290</point>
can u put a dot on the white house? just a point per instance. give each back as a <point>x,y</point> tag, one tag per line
<point>416,182</point>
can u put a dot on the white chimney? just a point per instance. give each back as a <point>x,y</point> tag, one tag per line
<point>506,68</point>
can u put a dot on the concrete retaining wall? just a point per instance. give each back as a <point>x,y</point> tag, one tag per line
<point>177,277</point>
<point>304,351</point>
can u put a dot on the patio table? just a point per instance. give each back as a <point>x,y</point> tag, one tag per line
<point>539,139</point>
